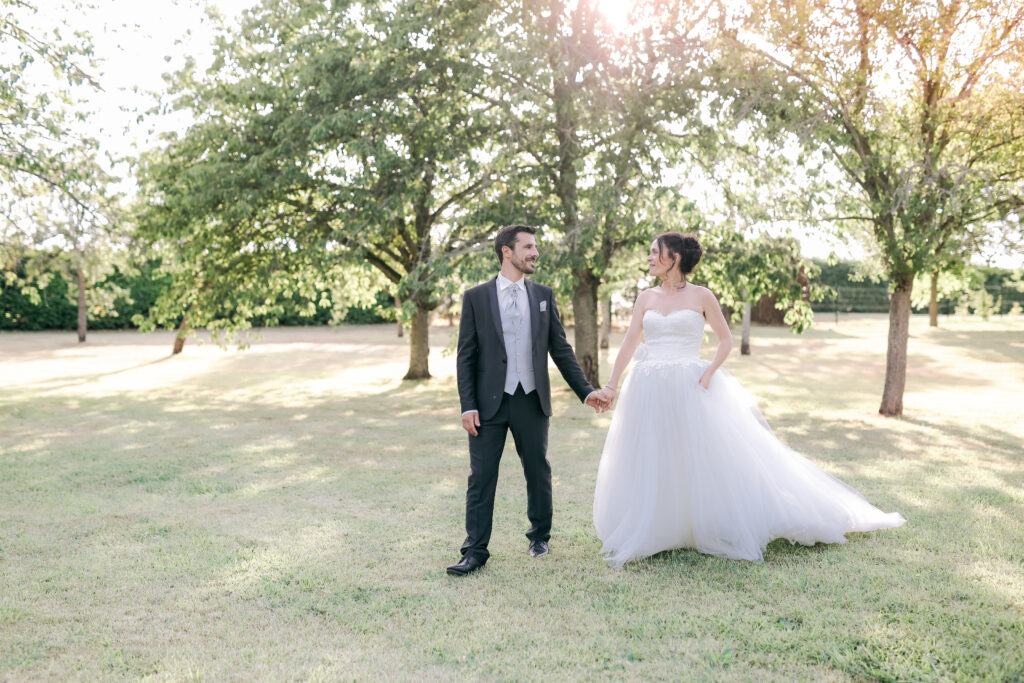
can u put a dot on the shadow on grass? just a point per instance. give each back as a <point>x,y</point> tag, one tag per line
<point>996,346</point>
<point>903,597</point>
<point>60,383</point>
<point>792,370</point>
<point>117,435</point>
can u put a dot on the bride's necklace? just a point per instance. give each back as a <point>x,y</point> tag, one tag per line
<point>679,287</point>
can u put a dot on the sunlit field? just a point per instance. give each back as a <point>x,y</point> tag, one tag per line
<point>287,512</point>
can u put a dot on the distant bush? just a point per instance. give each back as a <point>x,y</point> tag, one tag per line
<point>143,289</point>
<point>381,311</point>
<point>984,291</point>
<point>56,309</point>
<point>53,312</point>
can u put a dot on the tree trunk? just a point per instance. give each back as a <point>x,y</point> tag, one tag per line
<point>896,353</point>
<point>933,303</point>
<point>398,316</point>
<point>419,345</point>
<point>606,321</point>
<point>584,311</point>
<point>83,309</point>
<point>181,336</point>
<point>745,339</point>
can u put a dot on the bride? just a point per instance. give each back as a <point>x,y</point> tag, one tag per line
<point>689,462</point>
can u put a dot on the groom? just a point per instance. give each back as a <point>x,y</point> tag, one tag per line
<point>509,326</point>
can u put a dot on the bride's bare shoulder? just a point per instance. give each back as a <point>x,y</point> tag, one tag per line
<point>646,295</point>
<point>644,300</point>
<point>708,299</point>
<point>705,292</point>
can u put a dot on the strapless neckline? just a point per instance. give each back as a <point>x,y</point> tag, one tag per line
<point>678,310</point>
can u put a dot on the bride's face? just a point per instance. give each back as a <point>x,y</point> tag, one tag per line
<point>657,263</point>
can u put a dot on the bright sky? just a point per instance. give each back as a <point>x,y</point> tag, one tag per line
<point>136,42</point>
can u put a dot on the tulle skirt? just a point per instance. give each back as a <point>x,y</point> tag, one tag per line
<point>685,467</point>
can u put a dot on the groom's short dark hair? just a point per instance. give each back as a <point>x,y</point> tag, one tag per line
<point>507,236</point>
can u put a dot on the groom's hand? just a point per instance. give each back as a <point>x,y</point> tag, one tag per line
<point>597,401</point>
<point>470,421</point>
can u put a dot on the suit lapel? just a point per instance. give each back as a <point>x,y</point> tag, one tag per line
<point>531,296</point>
<point>495,311</point>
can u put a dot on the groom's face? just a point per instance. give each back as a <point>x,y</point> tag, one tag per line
<point>524,253</point>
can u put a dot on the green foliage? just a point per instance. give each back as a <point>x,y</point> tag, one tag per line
<point>43,307</point>
<point>974,290</point>
<point>917,107</point>
<point>76,231</point>
<point>835,273</point>
<point>382,310</point>
<point>327,136</point>
<point>58,210</point>
<point>951,284</point>
<point>968,290</point>
<point>142,286</point>
<point>47,301</point>
<point>742,270</point>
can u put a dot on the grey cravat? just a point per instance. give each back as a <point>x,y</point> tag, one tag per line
<point>513,302</point>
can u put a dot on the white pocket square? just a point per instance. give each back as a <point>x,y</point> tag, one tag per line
<point>543,306</point>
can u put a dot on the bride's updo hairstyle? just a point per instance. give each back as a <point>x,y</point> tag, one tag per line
<point>685,249</point>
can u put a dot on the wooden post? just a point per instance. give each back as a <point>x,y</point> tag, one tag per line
<point>83,308</point>
<point>745,339</point>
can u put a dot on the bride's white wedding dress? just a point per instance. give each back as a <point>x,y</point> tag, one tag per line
<point>685,467</point>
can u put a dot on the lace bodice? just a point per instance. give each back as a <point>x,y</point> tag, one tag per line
<point>675,336</point>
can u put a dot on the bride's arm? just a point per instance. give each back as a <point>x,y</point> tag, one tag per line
<point>629,344</point>
<point>713,314</point>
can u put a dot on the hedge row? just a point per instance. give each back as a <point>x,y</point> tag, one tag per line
<point>56,309</point>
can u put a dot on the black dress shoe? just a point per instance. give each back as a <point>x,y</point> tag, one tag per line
<point>538,548</point>
<point>469,563</point>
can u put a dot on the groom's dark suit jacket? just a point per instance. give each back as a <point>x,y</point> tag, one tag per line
<point>481,361</point>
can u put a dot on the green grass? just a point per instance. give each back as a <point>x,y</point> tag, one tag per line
<point>287,513</point>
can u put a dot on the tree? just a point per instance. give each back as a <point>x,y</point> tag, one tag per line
<point>589,104</point>
<point>58,209</point>
<point>918,104</point>
<point>352,129</point>
<point>741,271</point>
<point>74,229</point>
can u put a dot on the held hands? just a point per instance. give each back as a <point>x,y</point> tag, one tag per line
<point>598,401</point>
<point>602,400</point>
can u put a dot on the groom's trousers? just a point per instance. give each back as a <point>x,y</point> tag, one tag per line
<point>521,414</point>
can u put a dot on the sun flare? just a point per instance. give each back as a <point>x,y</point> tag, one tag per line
<point>616,12</point>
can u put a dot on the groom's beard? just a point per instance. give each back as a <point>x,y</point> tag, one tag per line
<point>526,265</point>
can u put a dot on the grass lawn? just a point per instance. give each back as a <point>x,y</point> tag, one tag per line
<point>286,512</point>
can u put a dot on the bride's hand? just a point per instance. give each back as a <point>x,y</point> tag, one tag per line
<point>705,379</point>
<point>608,392</point>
